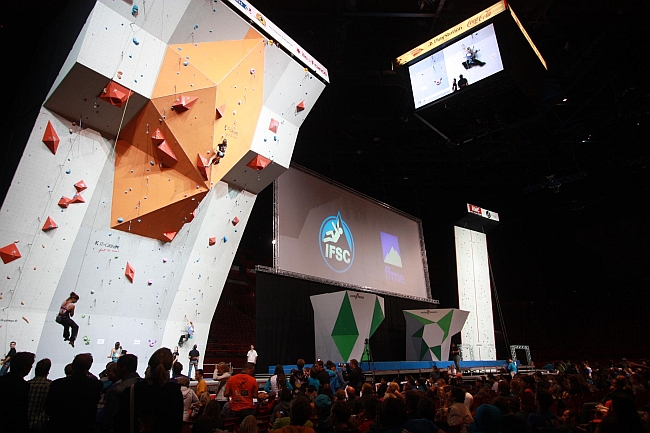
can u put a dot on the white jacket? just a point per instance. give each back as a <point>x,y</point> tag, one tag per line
<point>190,404</point>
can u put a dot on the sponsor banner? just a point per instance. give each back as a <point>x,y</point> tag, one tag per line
<point>278,35</point>
<point>452,33</point>
<point>477,210</point>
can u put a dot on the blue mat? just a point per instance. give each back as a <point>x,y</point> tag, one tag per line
<point>411,365</point>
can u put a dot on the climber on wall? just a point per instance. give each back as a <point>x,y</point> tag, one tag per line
<point>189,332</point>
<point>65,318</point>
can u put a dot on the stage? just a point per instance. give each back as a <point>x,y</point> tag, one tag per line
<point>398,368</point>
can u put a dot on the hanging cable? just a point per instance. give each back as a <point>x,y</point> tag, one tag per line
<point>498,304</point>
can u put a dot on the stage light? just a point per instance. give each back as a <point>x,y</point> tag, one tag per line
<point>565,99</point>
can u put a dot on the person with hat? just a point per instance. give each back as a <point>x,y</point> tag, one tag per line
<point>323,406</point>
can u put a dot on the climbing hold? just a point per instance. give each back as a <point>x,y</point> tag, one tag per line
<point>92,292</point>
<point>134,11</point>
<point>170,235</point>
<point>184,103</point>
<point>212,241</point>
<point>115,94</point>
<point>196,26</point>
<point>50,138</point>
<point>258,163</point>
<point>225,239</point>
<point>49,224</point>
<point>135,41</point>
<point>25,319</point>
<point>129,272</point>
<point>164,260</point>
<point>221,109</point>
<point>149,282</point>
<point>80,186</point>
<point>252,71</point>
<point>273,126</point>
<point>77,198</point>
<point>300,106</point>
<point>166,154</point>
<point>120,220</point>
<point>203,164</point>
<point>64,202</point>
<point>186,63</point>
<point>157,136</point>
<point>235,221</point>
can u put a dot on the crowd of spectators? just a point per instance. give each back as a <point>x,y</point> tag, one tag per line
<point>569,398</point>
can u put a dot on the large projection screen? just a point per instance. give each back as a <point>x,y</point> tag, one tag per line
<point>327,231</point>
<point>475,57</point>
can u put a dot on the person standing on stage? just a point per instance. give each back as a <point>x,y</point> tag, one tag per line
<point>194,361</point>
<point>455,355</point>
<point>512,367</point>
<point>251,356</point>
<point>7,359</point>
<point>116,352</point>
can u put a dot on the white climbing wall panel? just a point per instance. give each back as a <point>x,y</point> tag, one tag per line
<point>475,295</point>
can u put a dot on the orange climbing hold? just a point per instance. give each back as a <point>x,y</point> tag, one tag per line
<point>80,186</point>
<point>273,126</point>
<point>9,253</point>
<point>221,109</point>
<point>115,94</point>
<point>212,241</point>
<point>235,220</point>
<point>259,163</point>
<point>129,272</point>
<point>301,106</point>
<point>50,138</point>
<point>49,224</point>
<point>166,154</point>
<point>77,198</point>
<point>170,235</point>
<point>157,136</point>
<point>65,202</point>
<point>184,103</point>
<point>203,164</point>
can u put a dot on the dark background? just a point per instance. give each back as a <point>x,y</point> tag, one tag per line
<point>569,179</point>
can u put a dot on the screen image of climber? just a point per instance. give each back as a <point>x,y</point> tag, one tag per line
<point>461,64</point>
<point>327,231</point>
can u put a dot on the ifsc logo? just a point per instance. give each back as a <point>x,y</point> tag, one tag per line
<point>336,243</point>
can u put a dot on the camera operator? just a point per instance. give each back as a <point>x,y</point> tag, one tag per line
<point>353,375</point>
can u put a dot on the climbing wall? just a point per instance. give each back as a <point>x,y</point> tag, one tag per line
<point>429,332</point>
<point>475,295</point>
<point>140,174</point>
<point>341,336</point>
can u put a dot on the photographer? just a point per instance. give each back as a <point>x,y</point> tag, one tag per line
<point>353,375</point>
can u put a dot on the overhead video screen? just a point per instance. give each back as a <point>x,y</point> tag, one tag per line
<point>461,64</point>
<point>329,232</point>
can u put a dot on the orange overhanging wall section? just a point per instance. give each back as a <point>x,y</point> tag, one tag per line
<point>150,198</point>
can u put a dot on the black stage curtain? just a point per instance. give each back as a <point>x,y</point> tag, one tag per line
<point>285,321</point>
